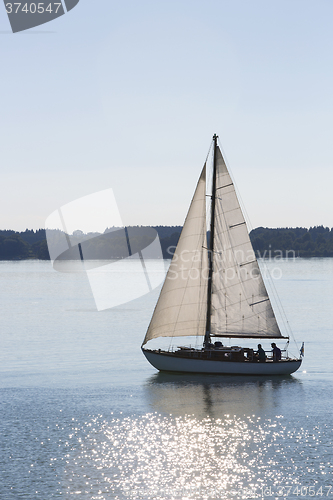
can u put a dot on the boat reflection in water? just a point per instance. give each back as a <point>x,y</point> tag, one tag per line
<point>214,396</point>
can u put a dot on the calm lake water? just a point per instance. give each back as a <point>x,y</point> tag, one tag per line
<point>83,415</point>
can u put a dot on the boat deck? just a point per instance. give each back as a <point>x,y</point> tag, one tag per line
<point>231,354</point>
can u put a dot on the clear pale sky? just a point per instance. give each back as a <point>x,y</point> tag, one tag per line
<point>127,95</point>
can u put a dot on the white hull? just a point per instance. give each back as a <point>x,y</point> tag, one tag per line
<point>170,363</point>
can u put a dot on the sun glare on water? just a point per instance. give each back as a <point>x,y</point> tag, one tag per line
<point>166,457</point>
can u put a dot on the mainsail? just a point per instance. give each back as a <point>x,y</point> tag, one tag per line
<point>240,303</point>
<point>182,305</point>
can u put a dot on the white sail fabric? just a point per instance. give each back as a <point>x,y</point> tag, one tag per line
<point>240,303</point>
<point>182,306</point>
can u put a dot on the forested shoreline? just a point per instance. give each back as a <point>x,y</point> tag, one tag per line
<point>267,242</point>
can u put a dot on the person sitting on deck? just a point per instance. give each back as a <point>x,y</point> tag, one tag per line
<point>260,354</point>
<point>276,352</point>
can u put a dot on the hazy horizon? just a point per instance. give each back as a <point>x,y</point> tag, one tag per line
<point>157,225</point>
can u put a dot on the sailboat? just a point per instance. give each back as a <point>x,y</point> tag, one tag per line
<point>214,290</point>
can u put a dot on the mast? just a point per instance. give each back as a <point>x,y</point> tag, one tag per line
<point>211,249</point>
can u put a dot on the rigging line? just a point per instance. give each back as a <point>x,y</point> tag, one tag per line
<point>155,308</point>
<point>222,187</point>
<point>239,224</point>
<point>209,162</point>
<point>209,150</point>
<point>243,208</point>
<point>274,293</point>
<point>246,263</point>
<point>280,305</point>
<point>259,302</point>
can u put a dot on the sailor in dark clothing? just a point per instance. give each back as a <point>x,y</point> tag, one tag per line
<point>260,354</point>
<point>276,352</point>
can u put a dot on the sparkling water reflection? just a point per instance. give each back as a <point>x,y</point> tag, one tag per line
<point>158,457</point>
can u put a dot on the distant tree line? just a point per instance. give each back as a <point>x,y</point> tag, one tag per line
<point>267,242</point>
<point>288,242</point>
<point>30,244</point>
